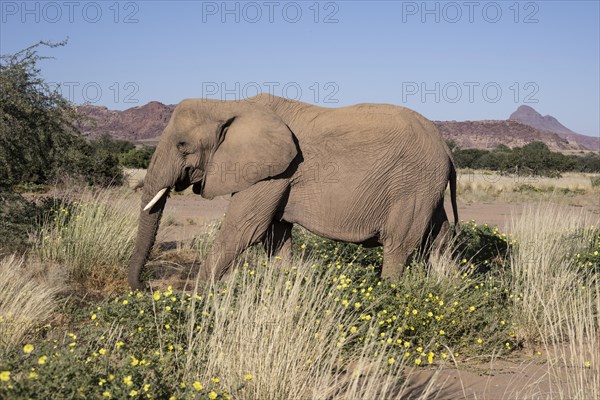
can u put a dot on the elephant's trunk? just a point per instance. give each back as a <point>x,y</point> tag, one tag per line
<point>156,190</point>
<point>146,235</point>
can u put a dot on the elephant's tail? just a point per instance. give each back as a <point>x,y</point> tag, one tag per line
<point>453,195</point>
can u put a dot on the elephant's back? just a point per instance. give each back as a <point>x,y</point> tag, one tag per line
<point>372,123</point>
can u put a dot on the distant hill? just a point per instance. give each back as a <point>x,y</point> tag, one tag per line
<point>146,123</point>
<point>489,134</point>
<point>528,116</point>
<point>137,123</point>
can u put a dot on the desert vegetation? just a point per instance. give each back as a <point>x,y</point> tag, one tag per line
<point>533,159</point>
<point>326,327</point>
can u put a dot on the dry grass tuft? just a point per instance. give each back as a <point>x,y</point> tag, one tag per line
<point>91,237</point>
<point>283,328</point>
<point>557,302</point>
<point>25,302</point>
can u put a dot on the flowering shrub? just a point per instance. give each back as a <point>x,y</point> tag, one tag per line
<point>129,347</point>
<point>483,245</point>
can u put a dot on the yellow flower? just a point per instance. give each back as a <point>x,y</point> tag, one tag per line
<point>134,361</point>
<point>120,344</point>
<point>106,394</point>
<point>146,387</point>
<point>391,361</point>
<point>93,317</point>
<point>42,360</point>
<point>216,380</point>
<point>418,361</point>
<point>156,295</point>
<point>28,348</point>
<point>212,395</point>
<point>127,380</point>
<point>430,357</point>
<point>198,386</point>
<point>479,341</point>
<point>33,375</point>
<point>442,332</point>
<point>125,302</point>
<point>102,351</point>
<point>471,309</point>
<point>587,364</point>
<point>4,376</point>
<point>248,377</point>
<point>133,393</point>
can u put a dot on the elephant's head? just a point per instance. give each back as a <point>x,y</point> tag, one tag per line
<point>218,147</point>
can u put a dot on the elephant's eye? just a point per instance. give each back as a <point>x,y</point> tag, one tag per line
<point>181,146</point>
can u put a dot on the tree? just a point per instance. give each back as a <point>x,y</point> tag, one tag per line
<point>39,141</point>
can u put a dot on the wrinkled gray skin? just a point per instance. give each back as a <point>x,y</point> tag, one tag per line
<point>373,174</point>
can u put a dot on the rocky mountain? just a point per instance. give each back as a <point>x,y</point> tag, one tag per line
<point>489,134</point>
<point>137,123</point>
<point>146,123</point>
<point>531,117</point>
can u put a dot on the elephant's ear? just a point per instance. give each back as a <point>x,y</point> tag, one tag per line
<point>256,145</point>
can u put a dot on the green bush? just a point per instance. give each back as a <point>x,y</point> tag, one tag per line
<point>137,158</point>
<point>19,217</point>
<point>534,158</point>
<point>483,246</point>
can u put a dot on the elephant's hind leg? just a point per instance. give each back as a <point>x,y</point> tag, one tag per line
<point>403,234</point>
<point>249,216</point>
<point>440,231</point>
<point>437,236</point>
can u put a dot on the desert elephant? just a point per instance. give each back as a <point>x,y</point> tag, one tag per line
<point>373,174</point>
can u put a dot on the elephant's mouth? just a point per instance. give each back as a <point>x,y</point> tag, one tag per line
<point>197,187</point>
<point>190,178</point>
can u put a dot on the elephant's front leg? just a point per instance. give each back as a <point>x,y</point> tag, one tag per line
<point>278,242</point>
<point>249,216</point>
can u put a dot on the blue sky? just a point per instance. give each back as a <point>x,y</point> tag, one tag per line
<point>448,60</point>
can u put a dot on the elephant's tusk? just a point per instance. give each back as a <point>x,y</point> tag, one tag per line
<point>156,198</point>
